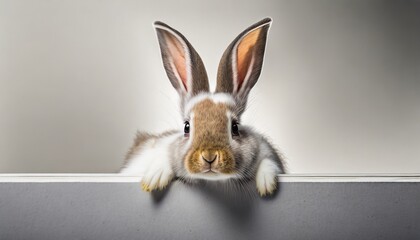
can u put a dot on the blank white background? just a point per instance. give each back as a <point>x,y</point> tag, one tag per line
<point>339,92</point>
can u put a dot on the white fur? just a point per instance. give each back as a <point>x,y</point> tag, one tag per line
<point>266,178</point>
<point>153,163</point>
<point>194,100</point>
<point>224,98</point>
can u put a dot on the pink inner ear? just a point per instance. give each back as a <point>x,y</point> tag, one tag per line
<point>177,53</point>
<point>244,55</point>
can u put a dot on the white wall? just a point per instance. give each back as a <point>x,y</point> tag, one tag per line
<point>340,89</point>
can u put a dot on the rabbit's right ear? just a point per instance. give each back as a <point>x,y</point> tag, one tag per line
<point>241,63</point>
<point>183,65</point>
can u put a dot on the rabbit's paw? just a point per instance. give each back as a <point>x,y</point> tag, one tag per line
<point>266,178</point>
<point>157,177</point>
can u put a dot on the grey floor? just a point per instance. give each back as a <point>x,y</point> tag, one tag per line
<point>122,211</point>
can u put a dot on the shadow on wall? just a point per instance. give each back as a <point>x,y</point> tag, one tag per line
<point>237,200</point>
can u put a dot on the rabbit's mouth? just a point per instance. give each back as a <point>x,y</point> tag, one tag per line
<point>211,172</point>
<point>210,162</point>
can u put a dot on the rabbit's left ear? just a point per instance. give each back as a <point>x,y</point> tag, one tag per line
<point>183,65</point>
<point>242,61</point>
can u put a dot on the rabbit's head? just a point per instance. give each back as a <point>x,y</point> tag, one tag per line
<point>214,145</point>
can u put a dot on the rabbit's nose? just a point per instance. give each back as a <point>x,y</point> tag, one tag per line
<point>209,156</point>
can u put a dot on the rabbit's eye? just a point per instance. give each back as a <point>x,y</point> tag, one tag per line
<point>186,127</point>
<point>235,128</point>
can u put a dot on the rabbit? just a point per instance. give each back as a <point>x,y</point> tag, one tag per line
<point>212,145</point>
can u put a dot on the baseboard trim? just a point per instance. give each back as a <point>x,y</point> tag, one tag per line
<point>112,177</point>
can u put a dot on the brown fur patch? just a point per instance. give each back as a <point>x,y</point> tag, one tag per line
<point>210,134</point>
